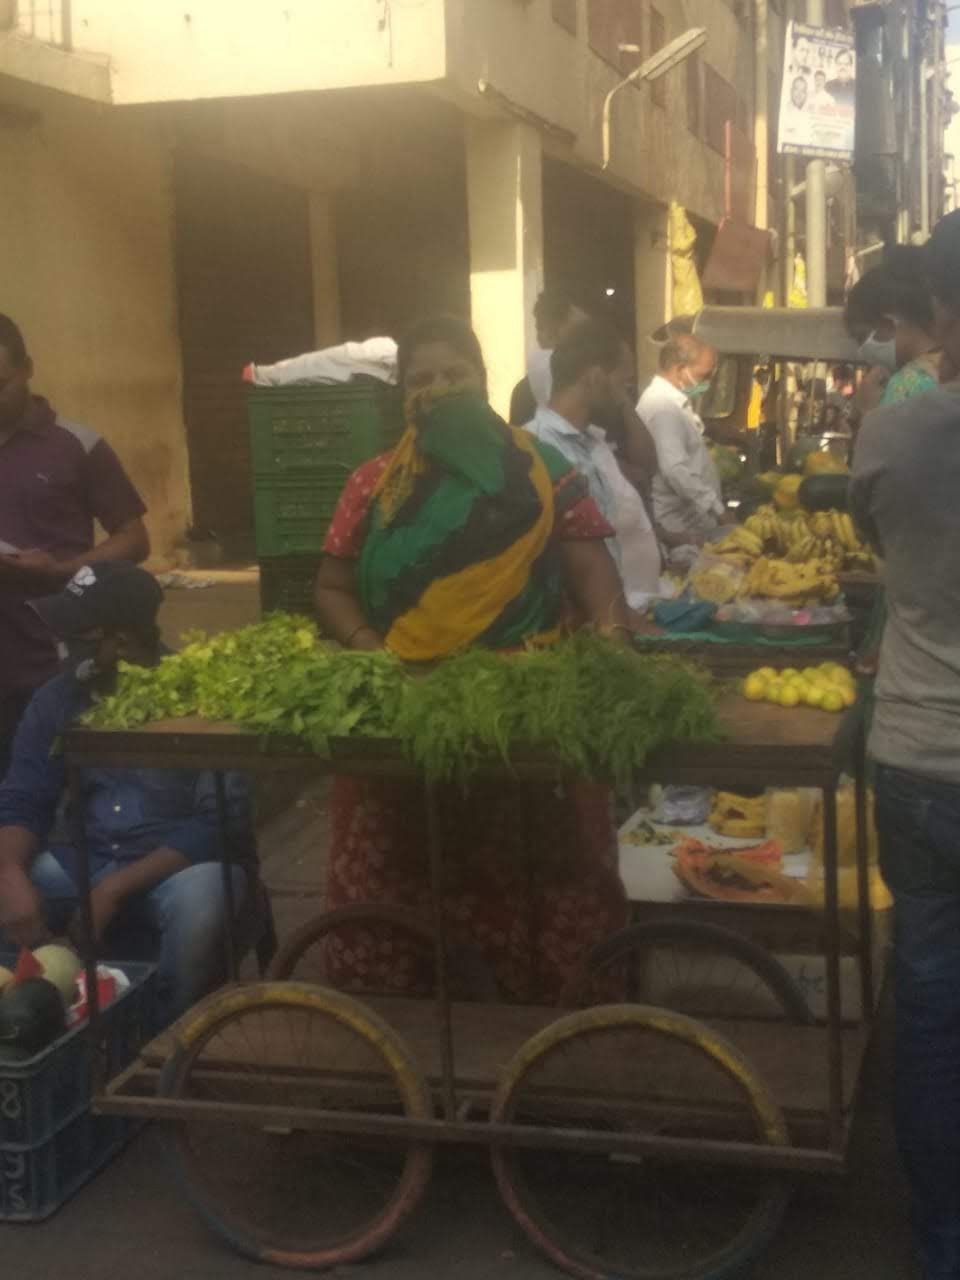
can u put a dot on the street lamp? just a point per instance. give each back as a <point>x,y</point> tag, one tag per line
<point>670,56</point>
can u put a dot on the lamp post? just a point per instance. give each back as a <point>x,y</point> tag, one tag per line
<point>664,60</point>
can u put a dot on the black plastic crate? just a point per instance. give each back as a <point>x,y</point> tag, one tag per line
<point>35,1182</point>
<point>50,1144</point>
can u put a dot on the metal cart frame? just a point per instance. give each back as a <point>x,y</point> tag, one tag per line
<point>764,746</point>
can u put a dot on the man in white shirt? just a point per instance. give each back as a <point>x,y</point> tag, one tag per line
<point>554,315</point>
<point>591,369</point>
<point>687,498</point>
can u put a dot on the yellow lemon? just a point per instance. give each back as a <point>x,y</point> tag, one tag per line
<point>849,697</point>
<point>836,673</point>
<point>774,690</point>
<point>789,696</point>
<point>768,673</point>
<point>832,700</point>
<point>814,696</point>
<point>789,673</point>
<point>755,687</point>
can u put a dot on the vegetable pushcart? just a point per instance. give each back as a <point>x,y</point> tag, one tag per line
<point>628,1140</point>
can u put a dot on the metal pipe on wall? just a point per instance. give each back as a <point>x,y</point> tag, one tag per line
<point>816,231</point>
<point>761,125</point>
<point>924,151</point>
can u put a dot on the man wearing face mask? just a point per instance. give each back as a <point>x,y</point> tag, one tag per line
<point>903,495</point>
<point>153,835</point>
<point>687,497</point>
<point>889,312</point>
<point>56,480</point>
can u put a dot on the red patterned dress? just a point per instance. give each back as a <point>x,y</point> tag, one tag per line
<point>530,869</point>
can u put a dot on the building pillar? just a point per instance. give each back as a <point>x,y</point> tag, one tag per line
<point>325,267</point>
<point>653,281</point>
<point>505,199</point>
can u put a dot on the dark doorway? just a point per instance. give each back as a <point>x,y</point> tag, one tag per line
<point>588,243</point>
<point>245,293</point>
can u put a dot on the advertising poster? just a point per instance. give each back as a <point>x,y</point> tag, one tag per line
<point>818,97</point>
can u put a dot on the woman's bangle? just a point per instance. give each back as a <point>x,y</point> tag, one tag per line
<point>364,626</point>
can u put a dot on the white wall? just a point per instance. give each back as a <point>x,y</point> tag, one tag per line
<point>160,51</point>
<point>86,264</point>
<point>529,59</point>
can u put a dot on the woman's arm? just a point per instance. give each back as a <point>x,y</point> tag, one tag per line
<point>338,606</point>
<point>595,585</point>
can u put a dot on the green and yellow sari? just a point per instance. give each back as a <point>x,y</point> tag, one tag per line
<point>459,547</point>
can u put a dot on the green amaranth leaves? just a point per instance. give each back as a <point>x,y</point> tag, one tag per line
<point>594,708</point>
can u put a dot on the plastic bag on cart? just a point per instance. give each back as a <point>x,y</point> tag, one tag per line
<point>716,579</point>
<point>880,897</point>
<point>680,806</point>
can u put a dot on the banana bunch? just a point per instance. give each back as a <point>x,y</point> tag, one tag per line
<point>837,541</point>
<point>765,525</point>
<point>797,543</point>
<point>740,546</point>
<point>740,816</point>
<point>825,536</point>
<point>794,583</point>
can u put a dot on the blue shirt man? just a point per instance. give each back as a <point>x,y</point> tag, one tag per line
<point>591,370</point>
<point>152,835</point>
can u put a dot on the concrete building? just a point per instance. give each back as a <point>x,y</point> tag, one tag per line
<point>185,187</point>
<point>904,107</point>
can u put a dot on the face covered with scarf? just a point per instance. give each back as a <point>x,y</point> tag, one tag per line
<point>459,545</point>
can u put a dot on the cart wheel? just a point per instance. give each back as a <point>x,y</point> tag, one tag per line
<point>699,969</point>
<point>628,1068</point>
<point>400,946</point>
<point>296,1197</point>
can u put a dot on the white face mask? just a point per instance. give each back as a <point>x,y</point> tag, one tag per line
<point>874,350</point>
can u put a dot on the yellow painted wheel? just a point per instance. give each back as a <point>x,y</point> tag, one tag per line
<point>644,1070</point>
<point>298,1198</point>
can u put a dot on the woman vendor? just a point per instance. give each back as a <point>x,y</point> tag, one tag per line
<point>470,532</point>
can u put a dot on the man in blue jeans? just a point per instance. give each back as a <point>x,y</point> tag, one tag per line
<point>153,835</point>
<point>905,495</point>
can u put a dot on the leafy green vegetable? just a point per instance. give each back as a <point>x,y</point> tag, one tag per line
<point>594,708</point>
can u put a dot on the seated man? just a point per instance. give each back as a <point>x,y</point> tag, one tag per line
<point>153,835</point>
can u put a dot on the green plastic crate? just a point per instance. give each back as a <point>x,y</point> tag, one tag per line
<point>292,515</point>
<point>293,429</point>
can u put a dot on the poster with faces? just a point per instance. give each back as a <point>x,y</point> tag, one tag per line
<point>818,96</point>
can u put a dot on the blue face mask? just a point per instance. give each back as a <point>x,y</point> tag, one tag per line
<point>874,350</point>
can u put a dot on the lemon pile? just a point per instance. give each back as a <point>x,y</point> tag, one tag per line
<point>830,687</point>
